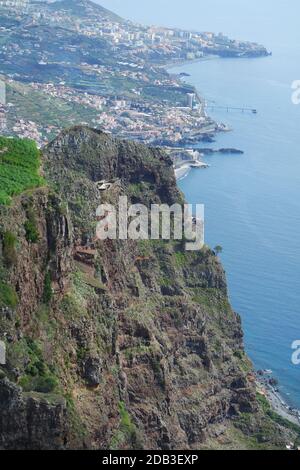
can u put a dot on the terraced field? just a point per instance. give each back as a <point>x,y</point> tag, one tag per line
<point>19,167</point>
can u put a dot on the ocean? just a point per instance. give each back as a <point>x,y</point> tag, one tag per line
<point>252,201</point>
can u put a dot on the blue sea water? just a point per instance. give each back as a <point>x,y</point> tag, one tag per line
<point>253,201</point>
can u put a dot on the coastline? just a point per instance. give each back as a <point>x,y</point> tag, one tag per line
<point>184,159</point>
<point>183,169</point>
<point>178,63</point>
<point>182,172</point>
<point>272,394</point>
<point>276,401</point>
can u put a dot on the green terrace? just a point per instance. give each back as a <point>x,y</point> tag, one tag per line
<point>19,167</point>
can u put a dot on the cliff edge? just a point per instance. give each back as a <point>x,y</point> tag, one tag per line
<point>116,344</point>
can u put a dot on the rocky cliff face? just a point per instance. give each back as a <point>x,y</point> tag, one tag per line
<point>116,344</point>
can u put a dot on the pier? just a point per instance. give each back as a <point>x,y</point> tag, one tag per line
<point>232,108</point>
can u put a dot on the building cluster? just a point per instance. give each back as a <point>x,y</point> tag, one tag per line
<point>150,122</point>
<point>28,130</point>
<point>70,95</point>
<point>145,43</point>
<point>172,115</point>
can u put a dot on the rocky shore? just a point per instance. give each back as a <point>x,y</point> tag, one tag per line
<point>224,151</point>
<point>267,386</point>
<point>185,159</point>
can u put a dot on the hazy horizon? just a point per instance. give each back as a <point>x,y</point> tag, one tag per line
<point>255,20</point>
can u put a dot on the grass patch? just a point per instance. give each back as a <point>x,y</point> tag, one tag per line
<point>38,384</point>
<point>19,167</point>
<point>8,296</point>
<point>9,249</point>
<point>165,281</point>
<point>180,259</point>
<point>210,297</point>
<point>38,376</point>
<point>127,433</point>
<point>47,294</point>
<point>275,417</point>
<point>31,229</point>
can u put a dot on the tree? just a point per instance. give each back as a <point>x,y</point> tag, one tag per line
<point>218,250</point>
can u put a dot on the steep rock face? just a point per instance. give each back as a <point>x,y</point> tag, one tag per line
<point>116,344</point>
<point>30,422</point>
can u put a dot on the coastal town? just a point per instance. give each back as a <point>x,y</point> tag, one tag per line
<point>67,63</point>
<point>110,73</point>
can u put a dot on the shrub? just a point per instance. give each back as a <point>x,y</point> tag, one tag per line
<point>32,234</point>
<point>218,250</point>
<point>19,167</point>
<point>45,384</point>
<point>127,433</point>
<point>38,375</point>
<point>9,249</point>
<point>8,296</point>
<point>47,295</point>
<point>41,384</point>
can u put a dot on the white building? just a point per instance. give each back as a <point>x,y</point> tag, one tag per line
<point>190,100</point>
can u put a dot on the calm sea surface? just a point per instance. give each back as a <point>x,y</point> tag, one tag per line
<point>253,201</point>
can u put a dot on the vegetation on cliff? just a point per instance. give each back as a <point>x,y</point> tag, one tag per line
<point>19,167</point>
<point>117,344</point>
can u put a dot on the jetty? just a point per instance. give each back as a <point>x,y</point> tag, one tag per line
<point>232,108</point>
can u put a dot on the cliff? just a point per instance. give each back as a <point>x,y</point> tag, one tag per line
<point>116,344</point>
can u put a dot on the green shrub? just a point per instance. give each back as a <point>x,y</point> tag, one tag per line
<point>267,409</point>
<point>19,167</point>
<point>9,249</point>
<point>33,347</point>
<point>38,375</point>
<point>32,234</point>
<point>180,259</point>
<point>25,383</point>
<point>32,370</point>
<point>46,384</point>
<point>8,296</point>
<point>41,384</point>
<point>4,198</point>
<point>47,294</point>
<point>127,432</point>
<point>36,368</point>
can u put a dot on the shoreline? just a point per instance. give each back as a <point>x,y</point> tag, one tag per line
<point>182,170</point>
<point>276,400</point>
<point>274,397</point>
<point>184,159</point>
<point>172,65</point>
<point>181,173</point>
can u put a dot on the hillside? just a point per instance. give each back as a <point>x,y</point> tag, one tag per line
<point>96,69</point>
<point>117,344</point>
<point>83,9</point>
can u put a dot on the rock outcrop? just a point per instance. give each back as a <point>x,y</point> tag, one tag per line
<point>117,344</point>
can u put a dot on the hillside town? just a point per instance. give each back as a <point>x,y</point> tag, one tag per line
<point>97,69</point>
